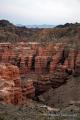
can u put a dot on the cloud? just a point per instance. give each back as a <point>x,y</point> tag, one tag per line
<point>40,11</point>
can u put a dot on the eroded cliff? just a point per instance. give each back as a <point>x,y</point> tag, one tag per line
<point>28,69</point>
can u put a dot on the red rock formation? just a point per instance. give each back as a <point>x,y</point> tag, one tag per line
<point>78,59</point>
<point>40,64</point>
<point>28,90</point>
<point>10,85</point>
<point>58,49</point>
<point>50,65</point>
<point>77,64</point>
<point>42,84</point>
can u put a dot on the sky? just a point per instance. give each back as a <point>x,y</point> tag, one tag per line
<point>38,12</point>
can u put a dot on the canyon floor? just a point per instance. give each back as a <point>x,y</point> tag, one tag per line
<point>34,110</point>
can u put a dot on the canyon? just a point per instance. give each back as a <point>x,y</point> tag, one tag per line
<point>30,69</point>
<point>39,64</point>
<point>39,72</point>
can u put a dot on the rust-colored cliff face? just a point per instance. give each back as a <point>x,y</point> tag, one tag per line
<point>31,68</point>
<point>10,84</point>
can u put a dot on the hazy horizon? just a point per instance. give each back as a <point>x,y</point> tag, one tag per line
<point>40,12</point>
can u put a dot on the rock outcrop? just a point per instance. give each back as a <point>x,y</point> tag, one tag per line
<point>28,89</point>
<point>65,95</point>
<point>50,64</point>
<point>10,84</point>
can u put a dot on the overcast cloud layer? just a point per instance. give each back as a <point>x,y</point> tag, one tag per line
<point>40,11</point>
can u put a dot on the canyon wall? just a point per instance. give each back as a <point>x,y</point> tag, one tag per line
<point>27,69</point>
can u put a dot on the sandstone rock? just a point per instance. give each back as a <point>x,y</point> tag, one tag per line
<point>41,64</point>
<point>42,84</point>
<point>77,65</point>
<point>47,65</point>
<point>28,90</point>
<point>10,85</point>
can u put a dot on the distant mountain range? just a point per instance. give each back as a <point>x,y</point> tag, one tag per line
<point>37,26</point>
<point>49,26</point>
<point>8,24</point>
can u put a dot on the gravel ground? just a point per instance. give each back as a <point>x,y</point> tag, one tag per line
<point>38,112</point>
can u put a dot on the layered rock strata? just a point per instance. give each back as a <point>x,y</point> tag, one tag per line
<point>51,64</point>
